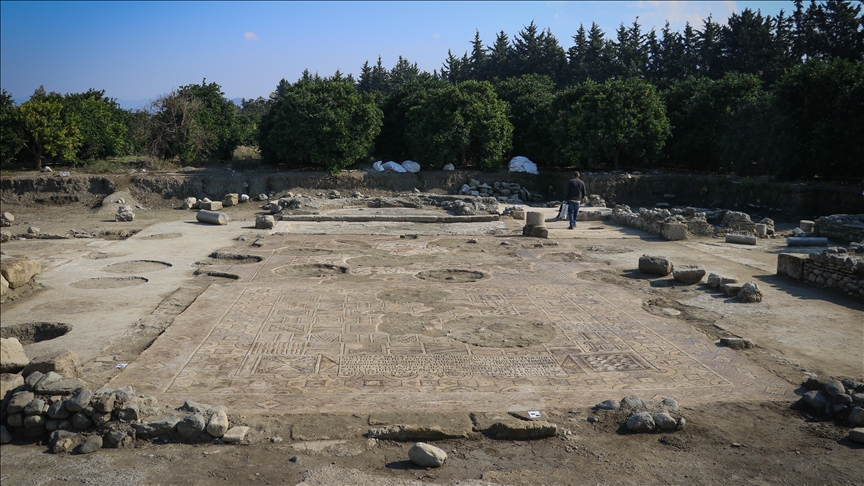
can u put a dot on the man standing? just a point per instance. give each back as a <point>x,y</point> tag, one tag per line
<point>575,193</point>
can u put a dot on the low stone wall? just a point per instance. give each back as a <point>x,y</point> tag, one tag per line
<point>845,227</point>
<point>663,222</point>
<point>839,272</point>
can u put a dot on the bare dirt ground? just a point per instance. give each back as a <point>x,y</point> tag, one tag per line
<point>799,330</point>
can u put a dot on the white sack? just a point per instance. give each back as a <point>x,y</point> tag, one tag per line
<point>393,166</point>
<point>411,166</point>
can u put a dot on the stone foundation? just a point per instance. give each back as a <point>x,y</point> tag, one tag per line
<point>664,222</point>
<point>845,227</point>
<point>839,272</point>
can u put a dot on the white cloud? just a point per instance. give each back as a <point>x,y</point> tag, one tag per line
<point>250,36</point>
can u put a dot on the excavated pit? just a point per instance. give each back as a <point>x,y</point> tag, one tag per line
<point>313,270</point>
<point>108,283</point>
<point>35,332</point>
<point>136,266</point>
<point>451,276</point>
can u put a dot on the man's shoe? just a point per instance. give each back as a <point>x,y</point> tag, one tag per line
<point>572,227</point>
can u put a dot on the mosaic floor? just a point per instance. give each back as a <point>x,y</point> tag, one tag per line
<point>274,342</point>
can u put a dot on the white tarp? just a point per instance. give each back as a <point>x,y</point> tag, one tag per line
<point>390,166</point>
<point>522,164</point>
<point>449,167</point>
<point>393,166</point>
<point>411,166</point>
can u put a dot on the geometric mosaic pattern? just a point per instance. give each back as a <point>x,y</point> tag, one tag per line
<point>305,344</point>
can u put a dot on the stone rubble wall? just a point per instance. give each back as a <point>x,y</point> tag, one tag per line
<point>831,269</point>
<point>505,192</point>
<point>654,220</point>
<point>845,227</point>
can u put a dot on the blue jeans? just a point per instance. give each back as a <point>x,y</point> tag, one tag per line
<point>572,211</point>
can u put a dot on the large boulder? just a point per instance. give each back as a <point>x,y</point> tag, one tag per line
<point>750,292</point>
<point>231,199</point>
<point>18,271</point>
<point>12,356</point>
<point>641,422</point>
<point>425,455</point>
<point>264,221</point>
<point>4,288</point>
<point>124,213</point>
<point>190,203</point>
<point>218,424</point>
<point>656,265</point>
<point>688,274</point>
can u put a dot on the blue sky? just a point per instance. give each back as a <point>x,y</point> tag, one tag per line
<point>138,50</point>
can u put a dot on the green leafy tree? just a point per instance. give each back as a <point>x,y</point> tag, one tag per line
<point>175,130</point>
<point>48,131</point>
<point>702,111</point>
<point>217,116</point>
<point>529,99</point>
<point>500,58</point>
<point>101,123</point>
<point>630,54</point>
<point>464,125</point>
<point>599,123</point>
<point>249,118</point>
<point>325,124</point>
<point>829,30</point>
<point>11,130</point>
<point>818,112</point>
<point>392,143</point>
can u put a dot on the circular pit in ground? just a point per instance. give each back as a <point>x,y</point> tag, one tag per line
<point>34,332</point>
<point>451,275</point>
<point>314,270</point>
<point>108,283</point>
<point>136,266</point>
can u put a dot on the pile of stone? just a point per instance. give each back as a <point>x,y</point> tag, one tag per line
<point>230,199</point>
<point>671,226</point>
<point>645,417</point>
<point>594,200</point>
<point>46,396</point>
<point>466,208</point>
<point>295,204</point>
<point>124,213</point>
<point>16,274</point>
<point>515,212</point>
<point>506,192</point>
<point>739,223</point>
<point>842,400</point>
<point>845,227</point>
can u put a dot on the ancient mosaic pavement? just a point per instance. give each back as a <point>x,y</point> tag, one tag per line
<point>281,340</point>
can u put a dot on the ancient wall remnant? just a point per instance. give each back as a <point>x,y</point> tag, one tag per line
<point>833,269</point>
<point>845,227</point>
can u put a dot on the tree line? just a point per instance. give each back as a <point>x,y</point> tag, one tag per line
<point>759,94</point>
